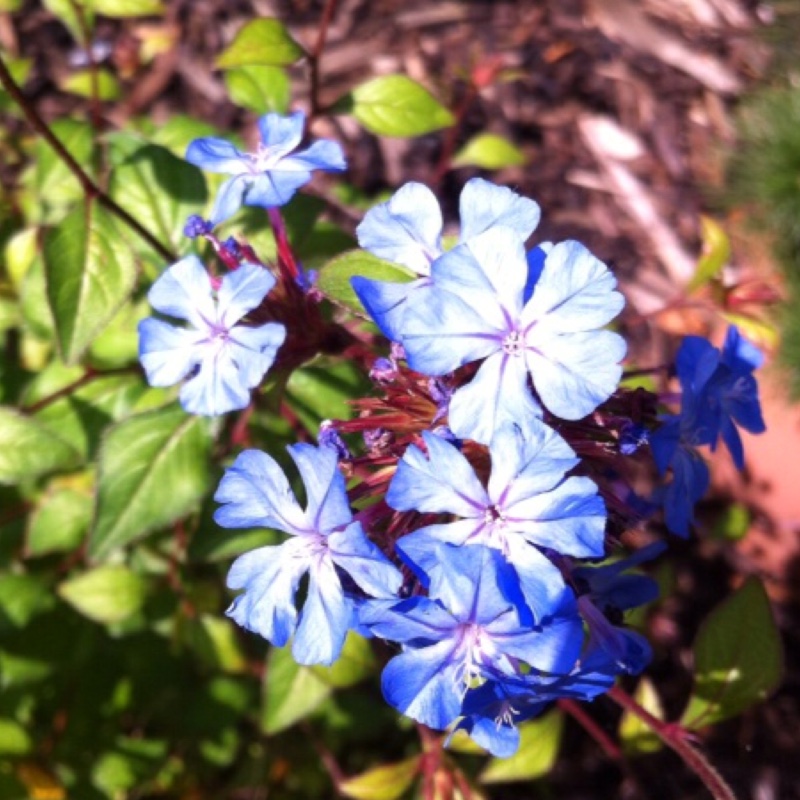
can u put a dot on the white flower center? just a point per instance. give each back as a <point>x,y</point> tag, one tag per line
<point>514,343</point>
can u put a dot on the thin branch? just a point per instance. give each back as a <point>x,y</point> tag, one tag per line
<point>675,737</point>
<point>89,187</point>
<point>315,56</point>
<point>327,758</point>
<point>87,377</point>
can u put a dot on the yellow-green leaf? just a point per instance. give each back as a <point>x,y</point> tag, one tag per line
<point>489,151</point>
<point>637,738</point>
<point>106,594</point>
<point>387,782</point>
<point>262,41</point>
<point>103,85</point>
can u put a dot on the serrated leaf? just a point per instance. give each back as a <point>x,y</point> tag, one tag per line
<point>103,84</point>
<point>291,692</point>
<point>27,449</point>
<point>59,522</point>
<point>127,8</point>
<point>394,105</point>
<point>540,740</point>
<point>261,42</point>
<point>489,151</point>
<point>387,782</point>
<point>89,272</point>
<point>636,737</point>
<point>333,279</point>
<point>153,469</point>
<point>259,88</point>
<point>106,594</point>
<point>157,188</point>
<point>737,658</point>
<point>716,253</point>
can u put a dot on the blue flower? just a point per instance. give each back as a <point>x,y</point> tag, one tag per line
<point>719,391</point>
<point>324,543</point>
<point>527,504</point>
<point>481,306</point>
<point>270,176</point>
<point>407,230</point>
<point>222,360</point>
<point>467,629</point>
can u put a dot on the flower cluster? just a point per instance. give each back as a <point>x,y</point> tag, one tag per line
<point>496,466</point>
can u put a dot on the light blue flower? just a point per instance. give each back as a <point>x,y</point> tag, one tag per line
<point>324,542</point>
<point>270,176</point>
<point>467,629</point>
<point>527,504</point>
<point>481,307</point>
<point>407,230</point>
<point>223,361</point>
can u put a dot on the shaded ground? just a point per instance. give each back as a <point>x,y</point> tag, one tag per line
<point>624,111</point>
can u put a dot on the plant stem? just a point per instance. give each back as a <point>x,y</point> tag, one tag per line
<point>675,737</point>
<point>90,188</point>
<point>315,56</point>
<point>87,377</point>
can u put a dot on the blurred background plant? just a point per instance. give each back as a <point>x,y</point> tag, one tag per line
<point>120,676</point>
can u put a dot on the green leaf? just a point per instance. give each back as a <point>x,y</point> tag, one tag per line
<point>65,11</point>
<point>733,524</point>
<point>59,523</point>
<point>106,594</point>
<point>354,664</point>
<point>28,450</point>
<point>540,740</point>
<point>259,88</point>
<point>716,253</point>
<point>153,470</point>
<point>157,188</point>
<point>737,658</point>
<point>761,332</point>
<point>22,597</point>
<point>90,271</point>
<point>14,739</point>
<point>179,131</point>
<point>636,737</point>
<point>19,68</point>
<point>127,8</point>
<point>261,42</point>
<point>291,692</point>
<point>489,151</point>
<point>387,782</point>
<point>394,105</point>
<point>333,279</point>
<point>9,6</point>
<point>323,392</point>
<point>55,188</point>
<point>104,85</point>
<point>213,639</point>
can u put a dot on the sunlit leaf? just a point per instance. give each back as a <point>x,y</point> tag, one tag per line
<point>59,523</point>
<point>387,782</point>
<point>716,253</point>
<point>102,84</point>
<point>540,741</point>
<point>354,664</point>
<point>126,8</point>
<point>14,739</point>
<point>21,598</point>
<point>394,105</point>
<point>89,271</point>
<point>737,658</point>
<point>106,594</point>
<point>636,737</point>
<point>489,151</point>
<point>261,42</point>
<point>291,692</point>
<point>761,332</point>
<point>153,469</point>
<point>259,88</point>
<point>333,279</point>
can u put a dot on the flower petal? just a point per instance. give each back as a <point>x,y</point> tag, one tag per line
<point>253,350</point>
<point>328,507</point>
<point>323,154</point>
<point>216,155</point>
<point>483,205</point>
<point>406,229</point>
<point>168,354</point>
<point>184,291</point>
<point>275,187</point>
<point>241,291</point>
<point>229,199</point>
<point>364,562</point>
<point>387,302</point>
<point>281,134</point>
<point>217,387</point>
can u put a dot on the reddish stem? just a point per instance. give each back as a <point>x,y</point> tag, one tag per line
<point>315,56</point>
<point>286,260</point>
<point>675,737</point>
